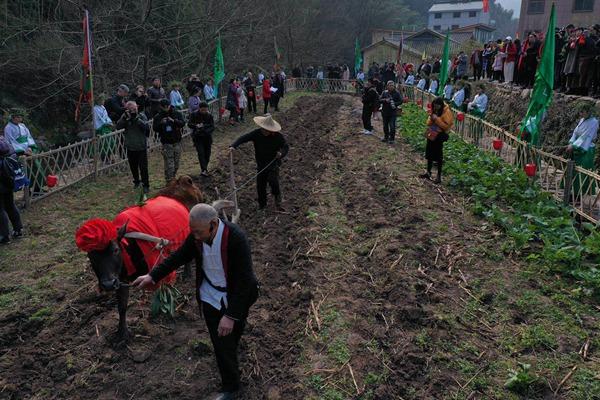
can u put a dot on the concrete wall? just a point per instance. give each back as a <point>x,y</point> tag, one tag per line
<point>564,16</point>
<point>382,53</point>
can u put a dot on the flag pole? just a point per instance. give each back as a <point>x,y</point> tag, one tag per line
<point>88,39</point>
<point>88,55</point>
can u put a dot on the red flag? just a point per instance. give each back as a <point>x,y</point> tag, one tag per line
<point>486,6</point>
<point>86,88</point>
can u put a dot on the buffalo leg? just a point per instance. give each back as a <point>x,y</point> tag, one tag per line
<point>122,300</point>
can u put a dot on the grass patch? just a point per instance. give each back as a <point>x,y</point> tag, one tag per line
<point>41,314</point>
<point>338,350</point>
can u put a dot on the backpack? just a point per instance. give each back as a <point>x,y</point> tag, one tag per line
<point>11,169</point>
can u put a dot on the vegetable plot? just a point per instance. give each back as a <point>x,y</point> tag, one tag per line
<point>537,226</point>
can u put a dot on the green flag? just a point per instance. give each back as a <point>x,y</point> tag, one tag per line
<point>542,89</point>
<point>219,67</point>
<point>444,67</point>
<point>357,57</point>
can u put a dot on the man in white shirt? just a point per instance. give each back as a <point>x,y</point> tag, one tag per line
<point>581,147</point>
<point>226,286</point>
<point>458,98</point>
<point>478,106</point>
<point>18,135</point>
<point>433,86</point>
<point>448,89</point>
<point>102,122</point>
<point>422,83</point>
<point>209,91</point>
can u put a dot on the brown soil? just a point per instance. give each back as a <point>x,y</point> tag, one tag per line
<point>361,236</point>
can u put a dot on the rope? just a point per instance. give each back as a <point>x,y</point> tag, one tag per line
<point>250,180</point>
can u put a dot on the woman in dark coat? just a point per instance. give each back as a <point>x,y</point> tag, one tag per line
<point>232,101</point>
<point>439,123</point>
<point>8,209</point>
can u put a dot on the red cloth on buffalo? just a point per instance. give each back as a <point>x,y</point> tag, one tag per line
<point>95,234</point>
<point>161,217</point>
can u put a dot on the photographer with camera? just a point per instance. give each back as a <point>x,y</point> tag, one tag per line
<point>202,124</point>
<point>135,134</point>
<point>390,104</point>
<point>168,123</point>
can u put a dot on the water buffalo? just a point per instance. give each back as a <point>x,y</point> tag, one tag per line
<point>138,239</point>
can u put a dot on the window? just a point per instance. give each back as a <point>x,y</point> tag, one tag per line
<point>536,7</point>
<point>455,27</point>
<point>456,14</point>
<point>437,27</point>
<point>583,5</point>
<point>472,14</point>
<point>437,15</point>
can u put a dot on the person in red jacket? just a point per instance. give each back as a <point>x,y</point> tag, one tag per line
<point>509,63</point>
<point>266,94</point>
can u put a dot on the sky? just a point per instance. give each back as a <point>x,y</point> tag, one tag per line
<point>514,5</point>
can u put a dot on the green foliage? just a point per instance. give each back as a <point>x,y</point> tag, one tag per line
<point>502,194</point>
<point>41,314</point>
<point>536,337</point>
<point>338,350</point>
<point>164,300</point>
<point>520,380</point>
<point>373,379</point>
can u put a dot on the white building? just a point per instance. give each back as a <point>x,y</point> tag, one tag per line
<point>452,15</point>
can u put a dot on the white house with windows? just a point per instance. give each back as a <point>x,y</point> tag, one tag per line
<point>451,15</point>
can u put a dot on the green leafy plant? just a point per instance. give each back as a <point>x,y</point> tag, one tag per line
<point>164,300</point>
<point>520,380</point>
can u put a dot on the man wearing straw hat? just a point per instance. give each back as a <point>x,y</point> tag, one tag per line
<point>269,148</point>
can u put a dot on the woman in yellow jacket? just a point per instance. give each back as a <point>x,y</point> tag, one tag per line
<point>439,123</point>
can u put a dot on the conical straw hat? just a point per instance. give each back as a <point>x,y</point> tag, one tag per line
<point>268,123</point>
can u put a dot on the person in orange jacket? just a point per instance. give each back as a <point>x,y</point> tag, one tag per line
<point>439,123</point>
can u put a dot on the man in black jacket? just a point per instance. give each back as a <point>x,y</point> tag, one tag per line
<point>279,83</point>
<point>155,94</point>
<point>226,286</point>
<point>269,148</point>
<point>115,106</point>
<point>135,133</point>
<point>168,124</point>
<point>250,89</point>
<point>370,100</point>
<point>194,83</point>
<point>202,124</point>
<point>390,104</point>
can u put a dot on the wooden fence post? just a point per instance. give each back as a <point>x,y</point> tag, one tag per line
<point>569,174</point>
<point>96,155</point>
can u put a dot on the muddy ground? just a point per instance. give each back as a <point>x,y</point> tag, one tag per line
<point>375,285</point>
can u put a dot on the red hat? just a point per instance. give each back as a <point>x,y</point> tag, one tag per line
<point>95,234</point>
